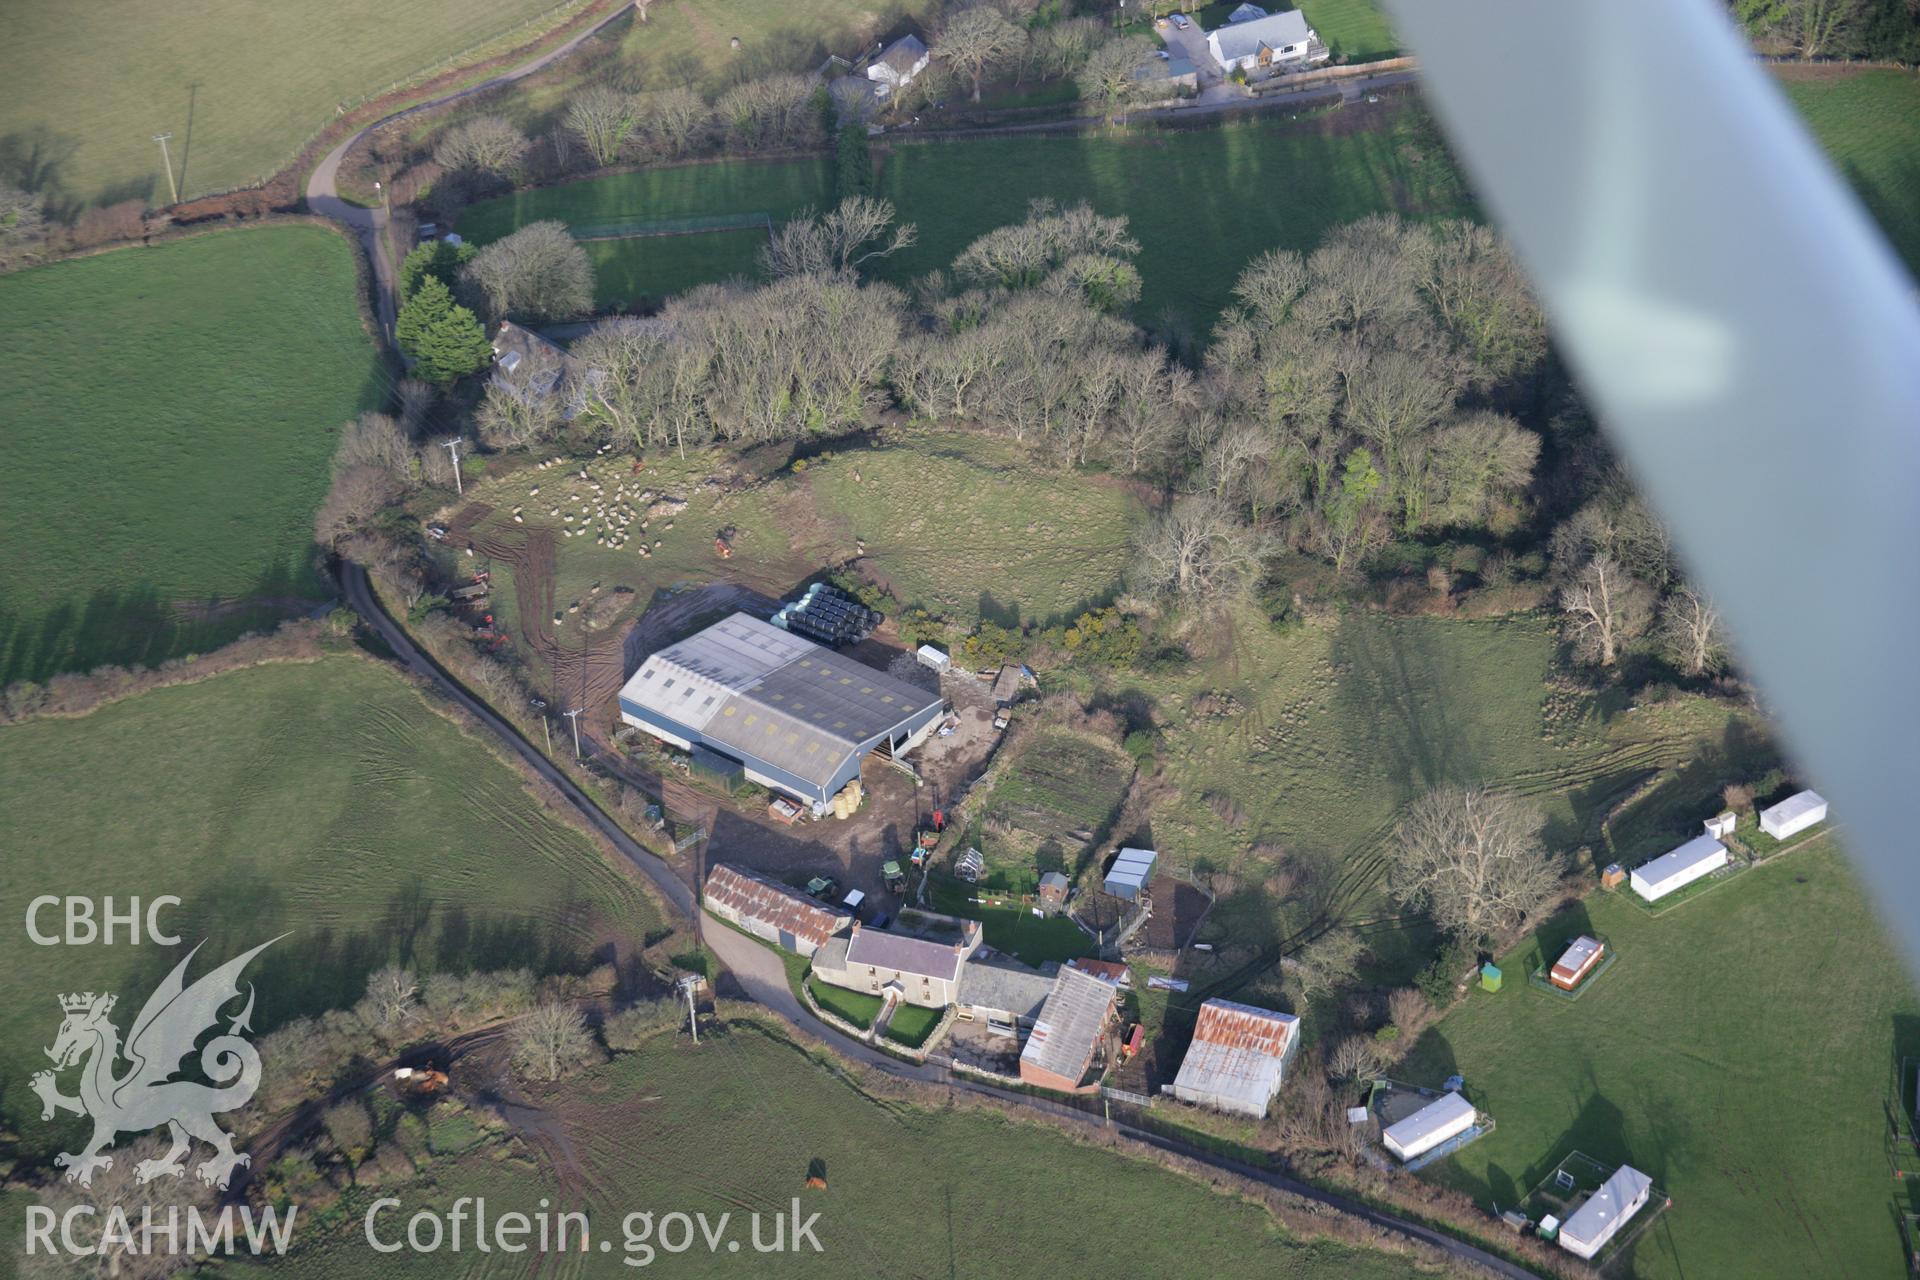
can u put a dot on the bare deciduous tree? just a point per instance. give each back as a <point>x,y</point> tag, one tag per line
<point>676,120</point>
<point>1605,607</point>
<point>839,242</point>
<point>1198,551</point>
<point>1354,1060</point>
<point>1110,73</point>
<point>540,272</point>
<point>1328,963</point>
<point>1025,254</point>
<point>1483,300</point>
<point>602,117</point>
<point>484,144</point>
<point>22,226</point>
<point>357,497</point>
<point>550,1041</point>
<point>770,111</point>
<point>122,1254</point>
<point>376,440</point>
<point>1473,860</point>
<point>975,41</point>
<point>392,997</point>
<point>517,414</point>
<point>1690,632</point>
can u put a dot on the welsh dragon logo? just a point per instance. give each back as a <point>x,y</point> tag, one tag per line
<point>146,1096</point>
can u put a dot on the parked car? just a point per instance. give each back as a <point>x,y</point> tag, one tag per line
<point>1180,21</point>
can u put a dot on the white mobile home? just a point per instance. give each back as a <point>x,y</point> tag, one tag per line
<point>1430,1126</point>
<point>1700,856</point>
<point>1605,1212</point>
<point>1793,815</point>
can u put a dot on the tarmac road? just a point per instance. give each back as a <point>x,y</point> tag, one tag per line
<point>763,977</point>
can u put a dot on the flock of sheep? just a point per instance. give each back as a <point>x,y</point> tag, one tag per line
<point>612,512</point>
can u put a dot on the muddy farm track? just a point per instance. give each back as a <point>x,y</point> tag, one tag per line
<point>587,675</point>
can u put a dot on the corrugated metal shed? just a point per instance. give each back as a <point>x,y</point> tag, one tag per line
<point>1131,870</point>
<point>1069,1027</point>
<point>788,708</point>
<point>1238,1057</point>
<point>784,910</point>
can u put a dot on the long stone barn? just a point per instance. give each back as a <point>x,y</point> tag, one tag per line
<point>796,717</point>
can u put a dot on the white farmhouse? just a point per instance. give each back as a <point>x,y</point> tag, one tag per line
<point>897,64</point>
<point>1277,42</point>
<point>1794,814</point>
<point>1700,856</point>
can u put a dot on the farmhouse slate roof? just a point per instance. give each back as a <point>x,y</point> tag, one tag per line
<point>905,954</point>
<point>1005,988</point>
<point>755,897</point>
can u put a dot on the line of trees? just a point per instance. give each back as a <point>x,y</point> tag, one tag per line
<point>1352,400</point>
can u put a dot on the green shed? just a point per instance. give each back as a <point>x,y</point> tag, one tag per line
<point>1489,977</point>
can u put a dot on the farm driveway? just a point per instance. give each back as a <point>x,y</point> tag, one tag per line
<point>370,225</point>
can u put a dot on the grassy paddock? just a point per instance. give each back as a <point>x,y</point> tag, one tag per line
<point>1202,201</point>
<point>1740,1059</point>
<point>969,527</point>
<point>170,413</point>
<point>735,1125</point>
<point>328,800</point>
<point>1869,123</point>
<point>240,86</point>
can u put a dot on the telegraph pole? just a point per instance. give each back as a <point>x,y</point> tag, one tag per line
<point>166,159</point>
<point>687,984</point>
<point>453,449</point>
<point>574,715</point>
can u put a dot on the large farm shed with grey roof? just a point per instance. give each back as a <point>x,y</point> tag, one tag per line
<point>798,717</point>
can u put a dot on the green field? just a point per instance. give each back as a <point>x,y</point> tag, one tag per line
<point>1354,29</point>
<point>240,85</point>
<point>1203,202</point>
<point>1869,122</point>
<point>970,527</point>
<point>1738,1051</point>
<point>736,1125</point>
<point>643,272</point>
<point>170,417</point>
<point>1062,790</point>
<point>328,800</point>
